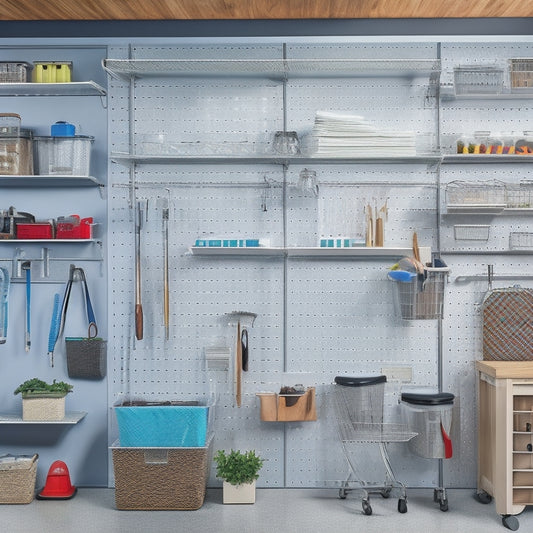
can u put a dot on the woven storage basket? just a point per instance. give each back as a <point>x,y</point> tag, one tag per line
<point>161,478</point>
<point>43,408</point>
<point>17,480</point>
<point>86,357</point>
<point>508,325</point>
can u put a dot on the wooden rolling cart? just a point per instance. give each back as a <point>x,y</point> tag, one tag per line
<point>505,437</point>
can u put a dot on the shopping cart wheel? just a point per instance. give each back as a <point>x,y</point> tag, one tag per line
<point>402,505</point>
<point>367,508</point>
<point>483,497</point>
<point>385,493</point>
<point>510,522</point>
<point>343,493</point>
<point>444,505</point>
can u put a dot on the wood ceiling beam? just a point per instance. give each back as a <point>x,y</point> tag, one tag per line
<point>26,10</point>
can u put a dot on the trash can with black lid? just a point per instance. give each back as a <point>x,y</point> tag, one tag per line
<point>430,416</point>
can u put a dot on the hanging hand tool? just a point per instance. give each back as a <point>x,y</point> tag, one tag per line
<point>244,347</point>
<point>26,266</point>
<point>369,235</point>
<point>4,293</point>
<point>238,367</point>
<point>166,299</point>
<point>93,329</point>
<point>138,302</point>
<point>59,315</point>
<point>54,328</point>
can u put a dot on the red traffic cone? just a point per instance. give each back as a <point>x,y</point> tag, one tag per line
<point>58,485</point>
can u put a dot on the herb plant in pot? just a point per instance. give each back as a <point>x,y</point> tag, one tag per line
<point>238,470</point>
<point>43,401</point>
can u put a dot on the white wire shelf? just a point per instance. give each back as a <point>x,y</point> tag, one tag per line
<point>369,432</point>
<point>270,68</point>
<point>81,88</point>
<point>125,158</point>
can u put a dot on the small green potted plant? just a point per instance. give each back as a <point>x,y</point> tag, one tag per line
<point>43,401</point>
<point>238,470</point>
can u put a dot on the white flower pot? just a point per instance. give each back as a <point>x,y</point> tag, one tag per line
<point>244,493</point>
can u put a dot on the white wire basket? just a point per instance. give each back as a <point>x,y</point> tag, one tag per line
<point>520,240</point>
<point>471,232</point>
<point>422,298</point>
<point>478,79</point>
<point>521,73</point>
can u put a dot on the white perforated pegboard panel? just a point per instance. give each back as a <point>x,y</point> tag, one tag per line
<point>464,116</point>
<point>462,345</point>
<point>317,317</point>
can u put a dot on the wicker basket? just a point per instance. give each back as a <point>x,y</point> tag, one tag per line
<point>507,330</point>
<point>36,408</point>
<point>17,480</point>
<point>161,478</point>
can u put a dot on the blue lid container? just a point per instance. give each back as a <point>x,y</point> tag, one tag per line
<point>62,129</point>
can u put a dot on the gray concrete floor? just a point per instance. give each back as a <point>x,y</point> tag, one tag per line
<point>93,510</point>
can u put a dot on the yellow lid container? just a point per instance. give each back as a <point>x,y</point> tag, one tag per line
<point>52,71</point>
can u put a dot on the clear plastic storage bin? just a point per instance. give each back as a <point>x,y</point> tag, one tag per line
<point>474,79</point>
<point>64,155</point>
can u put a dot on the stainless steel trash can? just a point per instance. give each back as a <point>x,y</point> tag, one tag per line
<point>429,415</point>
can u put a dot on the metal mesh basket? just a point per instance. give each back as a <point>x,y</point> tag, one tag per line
<point>471,232</point>
<point>478,79</point>
<point>519,196</point>
<point>521,71</point>
<point>422,298</point>
<point>86,357</point>
<point>521,240</point>
<point>464,193</point>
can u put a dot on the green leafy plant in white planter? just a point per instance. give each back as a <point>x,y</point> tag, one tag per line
<point>238,470</point>
<point>43,401</point>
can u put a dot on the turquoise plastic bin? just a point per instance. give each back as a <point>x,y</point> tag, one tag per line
<point>166,426</point>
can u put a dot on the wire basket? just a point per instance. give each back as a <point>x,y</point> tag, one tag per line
<point>14,71</point>
<point>464,193</point>
<point>520,240</point>
<point>86,357</point>
<point>519,196</point>
<point>474,79</point>
<point>358,409</point>
<point>471,232</point>
<point>521,73</point>
<point>422,298</point>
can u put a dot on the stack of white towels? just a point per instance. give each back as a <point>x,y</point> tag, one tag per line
<point>343,135</point>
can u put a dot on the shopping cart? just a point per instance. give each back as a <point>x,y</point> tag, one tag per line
<point>358,403</point>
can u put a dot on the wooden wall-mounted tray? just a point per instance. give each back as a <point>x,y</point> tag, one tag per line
<point>288,408</point>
